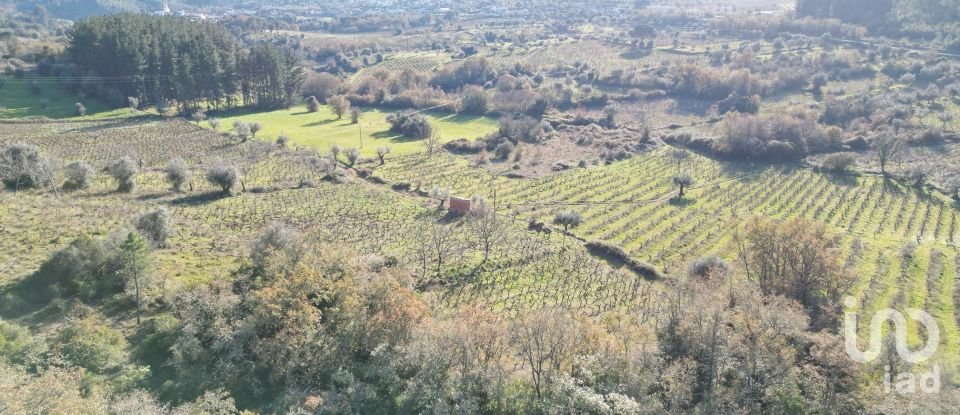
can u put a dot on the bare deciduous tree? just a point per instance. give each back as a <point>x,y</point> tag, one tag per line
<point>545,339</point>
<point>888,147</point>
<point>488,227</point>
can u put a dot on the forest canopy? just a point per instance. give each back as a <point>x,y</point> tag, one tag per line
<point>178,59</point>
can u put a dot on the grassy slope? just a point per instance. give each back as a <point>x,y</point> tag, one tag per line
<point>19,102</point>
<point>321,130</point>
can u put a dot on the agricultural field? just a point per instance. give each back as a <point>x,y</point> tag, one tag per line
<point>396,63</point>
<point>284,185</point>
<point>620,208</point>
<point>322,129</point>
<point>900,242</point>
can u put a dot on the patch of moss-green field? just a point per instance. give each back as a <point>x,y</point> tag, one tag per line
<point>322,129</point>
<point>18,101</point>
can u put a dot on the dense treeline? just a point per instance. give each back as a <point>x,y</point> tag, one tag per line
<point>193,63</point>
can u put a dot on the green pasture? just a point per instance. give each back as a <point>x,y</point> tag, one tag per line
<point>322,129</point>
<point>18,101</point>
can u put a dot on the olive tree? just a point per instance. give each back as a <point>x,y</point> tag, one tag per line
<point>441,195</point>
<point>353,155</point>
<point>567,220</point>
<point>242,130</point>
<point>382,152</point>
<point>79,174</point>
<point>683,181</point>
<point>339,105</point>
<point>198,116</point>
<point>23,166</point>
<point>124,171</point>
<point>177,173</point>
<point>155,226</point>
<point>225,176</point>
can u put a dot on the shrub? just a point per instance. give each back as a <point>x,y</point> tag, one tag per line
<point>619,254</point>
<point>225,176</point>
<point>412,125</point>
<point>23,166</point>
<point>708,266</point>
<point>475,101</point>
<point>503,150</point>
<point>312,104</point>
<point>18,346</point>
<point>214,123</point>
<point>79,174</point>
<point>91,345</point>
<point>282,140</point>
<point>468,72</point>
<point>155,226</point>
<point>839,163</point>
<point>321,86</point>
<point>177,173</point>
<point>353,155</point>
<point>276,239</point>
<point>124,171</point>
<point>79,109</point>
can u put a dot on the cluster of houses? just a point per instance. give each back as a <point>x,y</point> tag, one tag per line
<point>165,11</point>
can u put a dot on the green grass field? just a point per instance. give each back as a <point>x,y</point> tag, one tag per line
<point>19,102</point>
<point>322,129</point>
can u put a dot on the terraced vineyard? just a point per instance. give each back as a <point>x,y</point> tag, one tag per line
<point>631,204</point>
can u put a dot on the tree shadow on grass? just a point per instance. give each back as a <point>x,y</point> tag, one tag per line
<point>152,196</point>
<point>891,186</point>
<point>321,122</point>
<point>394,137</point>
<point>681,201</point>
<point>198,199</point>
<point>844,179</point>
<point>40,298</point>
